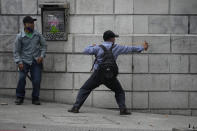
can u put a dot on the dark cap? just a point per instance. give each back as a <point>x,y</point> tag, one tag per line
<point>109,34</point>
<point>28,19</point>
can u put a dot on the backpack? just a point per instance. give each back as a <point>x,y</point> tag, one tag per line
<point>108,67</point>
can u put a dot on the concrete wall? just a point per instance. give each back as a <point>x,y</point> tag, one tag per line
<point>163,80</point>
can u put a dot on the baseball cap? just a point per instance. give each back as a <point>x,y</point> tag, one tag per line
<point>28,19</point>
<point>109,34</point>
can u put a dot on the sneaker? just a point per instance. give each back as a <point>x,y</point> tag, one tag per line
<point>36,102</point>
<point>74,110</point>
<point>19,101</point>
<point>124,112</point>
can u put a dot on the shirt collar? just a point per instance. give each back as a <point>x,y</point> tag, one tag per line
<point>107,42</point>
<point>24,34</point>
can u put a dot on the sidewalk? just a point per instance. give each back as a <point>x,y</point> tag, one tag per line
<point>54,117</point>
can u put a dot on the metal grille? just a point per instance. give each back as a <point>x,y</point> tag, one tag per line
<point>54,25</point>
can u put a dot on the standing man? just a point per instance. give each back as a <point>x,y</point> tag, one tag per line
<point>106,70</point>
<point>29,51</point>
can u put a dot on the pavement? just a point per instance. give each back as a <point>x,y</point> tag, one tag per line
<point>54,117</point>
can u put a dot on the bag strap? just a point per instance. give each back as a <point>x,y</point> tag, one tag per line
<point>113,45</point>
<point>103,47</point>
<point>93,63</point>
<point>105,50</point>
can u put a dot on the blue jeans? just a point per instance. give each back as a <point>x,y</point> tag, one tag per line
<point>35,70</point>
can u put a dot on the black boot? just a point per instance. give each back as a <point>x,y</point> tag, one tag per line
<point>74,110</point>
<point>19,100</point>
<point>124,112</point>
<point>36,101</point>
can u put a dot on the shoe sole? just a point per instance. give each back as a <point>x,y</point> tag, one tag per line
<point>125,114</point>
<point>36,104</point>
<point>73,111</point>
<point>18,103</point>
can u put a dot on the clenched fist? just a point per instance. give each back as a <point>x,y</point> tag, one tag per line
<point>20,66</point>
<point>145,45</point>
<point>39,60</point>
<point>94,44</point>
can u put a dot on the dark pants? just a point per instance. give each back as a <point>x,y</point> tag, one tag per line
<point>35,71</point>
<point>94,81</point>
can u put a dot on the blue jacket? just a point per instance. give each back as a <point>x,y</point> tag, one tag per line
<point>28,49</point>
<point>117,50</point>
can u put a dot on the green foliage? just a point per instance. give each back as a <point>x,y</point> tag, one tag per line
<point>54,29</point>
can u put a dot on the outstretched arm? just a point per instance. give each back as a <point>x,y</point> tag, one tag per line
<point>91,50</point>
<point>128,49</point>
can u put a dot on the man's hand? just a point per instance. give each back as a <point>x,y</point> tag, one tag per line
<point>39,60</point>
<point>20,66</point>
<point>94,44</point>
<point>145,45</point>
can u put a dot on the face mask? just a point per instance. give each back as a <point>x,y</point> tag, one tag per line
<point>30,29</point>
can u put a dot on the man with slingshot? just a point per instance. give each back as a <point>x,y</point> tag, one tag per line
<point>106,70</point>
